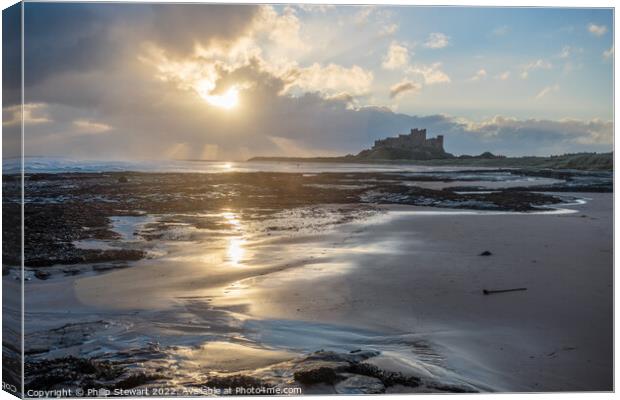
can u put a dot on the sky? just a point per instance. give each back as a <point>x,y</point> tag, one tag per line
<point>228,82</point>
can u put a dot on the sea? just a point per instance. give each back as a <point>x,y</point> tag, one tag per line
<point>68,165</point>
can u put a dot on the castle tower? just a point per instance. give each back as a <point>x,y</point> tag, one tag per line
<point>440,141</point>
<point>418,136</point>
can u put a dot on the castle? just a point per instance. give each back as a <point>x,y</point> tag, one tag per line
<point>414,146</point>
<point>416,140</point>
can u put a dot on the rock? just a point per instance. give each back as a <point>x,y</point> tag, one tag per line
<point>319,372</point>
<point>331,368</point>
<point>386,377</point>
<point>131,380</point>
<point>71,372</point>
<point>62,372</point>
<point>43,275</point>
<point>351,357</point>
<point>360,384</point>
<point>360,355</point>
<point>316,375</point>
<point>71,271</point>
<point>108,267</point>
<point>485,253</point>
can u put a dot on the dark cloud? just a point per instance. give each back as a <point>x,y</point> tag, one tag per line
<point>146,129</point>
<point>11,80</point>
<point>11,55</point>
<point>404,87</point>
<point>66,38</point>
<point>79,38</point>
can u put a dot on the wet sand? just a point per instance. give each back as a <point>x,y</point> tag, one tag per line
<point>407,283</point>
<point>349,283</point>
<point>417,274</point>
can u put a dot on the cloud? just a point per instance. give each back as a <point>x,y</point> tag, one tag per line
<point>88,126</point>
<point>282,28</point>
<point>330,79</point>
<point>566,52</point>
<point>547,90</point>
<point>403,87</point>
<point>565,133</point>
<point>597,30</point>
<point>396,57</point>
<point>609,53</point>
<point>33,114</point>
<point>343,97</point>
<point>76,38</point>
<point>307,124</point>
<point>215,67</point>
<point>60,128</point>
<point>479,75</point>
<point>437,40</point>
<point>504,76</point>
<point>388,30</point>
<point>110,83</point>
<point>431,74</point>
<point>534,65</point>
<point>316,8</point>
<point>362,16</point>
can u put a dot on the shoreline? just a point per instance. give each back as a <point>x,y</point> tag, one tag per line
<point>580,161</point>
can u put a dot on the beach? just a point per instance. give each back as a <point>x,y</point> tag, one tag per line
<point>383,296</point>
<point>425,279</point>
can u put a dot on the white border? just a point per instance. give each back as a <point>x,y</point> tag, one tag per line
<point>481,3</point>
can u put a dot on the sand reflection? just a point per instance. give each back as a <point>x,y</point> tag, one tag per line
<point>235,251</point>
<point>235,248</point>
<point>232,219</point>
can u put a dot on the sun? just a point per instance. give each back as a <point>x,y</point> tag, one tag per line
<point>227,100</point>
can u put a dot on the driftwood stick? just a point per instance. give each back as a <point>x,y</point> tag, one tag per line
<point>485,291</point>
